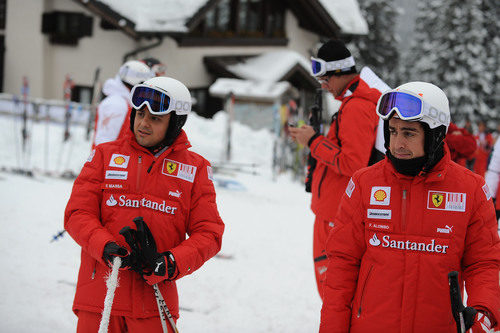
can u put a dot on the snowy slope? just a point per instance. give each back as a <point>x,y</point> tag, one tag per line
<point>268,286</point>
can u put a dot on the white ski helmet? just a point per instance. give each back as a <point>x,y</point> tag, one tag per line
<point>433,113</point>
<point>163,95</point>
<point>178,93</point>
<point>134,72</point>
<point>439,112</point>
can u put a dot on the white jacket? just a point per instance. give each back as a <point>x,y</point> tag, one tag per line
<point>493,174</point>
<point>112,111</point>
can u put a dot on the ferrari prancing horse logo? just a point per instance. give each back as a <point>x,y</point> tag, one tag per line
<point>437,199</point>
<point>171,167</point>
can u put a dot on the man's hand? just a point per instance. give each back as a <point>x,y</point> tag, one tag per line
<point>302,134</point>
<point>480,323</point>
<point>112,250</point>
<point>165,268</point>
<point>153,266</point>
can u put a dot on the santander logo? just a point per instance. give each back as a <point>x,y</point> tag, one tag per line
<point>408,245</point>
<point>374,240</point>
<point>111,201</point>
<point>123,201</point>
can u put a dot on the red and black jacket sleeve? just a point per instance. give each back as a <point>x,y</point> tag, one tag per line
<point>350,150</point>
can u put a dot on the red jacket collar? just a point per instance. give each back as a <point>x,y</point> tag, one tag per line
<point>349,85</point>
<point>180,143</point>
<point>437,173</point>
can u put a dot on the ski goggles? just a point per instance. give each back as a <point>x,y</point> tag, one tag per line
<point>410,107</point>
<point>158,101</point>
<point>319,67</point>
<point>159,69</point>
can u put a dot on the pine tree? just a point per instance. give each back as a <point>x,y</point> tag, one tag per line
<point>449,51</point>
<point>491,11</point>
<point>379,49</point>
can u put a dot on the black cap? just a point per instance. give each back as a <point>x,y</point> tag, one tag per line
<point>335,50</point>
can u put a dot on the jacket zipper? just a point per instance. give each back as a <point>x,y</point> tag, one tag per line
<point>151,166</point>
<point>321,182</point>
<point>403,211</point>
<point>363,291</point>
<point>139,169</point>
<point>93,272</point>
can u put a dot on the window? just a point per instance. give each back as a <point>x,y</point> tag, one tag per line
<point>81,94</point>
<point>204,104</point>
<point>66,28</point>
<point>244,18</point>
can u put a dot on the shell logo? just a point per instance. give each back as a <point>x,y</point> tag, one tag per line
<point>119,160</point>
<point>380,195</point>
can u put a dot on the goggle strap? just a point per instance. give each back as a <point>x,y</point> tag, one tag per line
<point>340,64</point>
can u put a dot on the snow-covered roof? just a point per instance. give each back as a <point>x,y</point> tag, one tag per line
<point>172,15</point>
<point>248,89</point>
<point>157,15</point>
<point>269,66</point>
<point>347,15</point>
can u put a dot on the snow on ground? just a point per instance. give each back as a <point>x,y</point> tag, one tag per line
<point>268,286</point>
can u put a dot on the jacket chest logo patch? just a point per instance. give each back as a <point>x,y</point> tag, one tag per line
<point>113,174</point>
<point>171,167</point>
<point>179,170</point>
<point>124,201</point>
<point>119,161</point>
<point>381,195</point>
<point>384,214</point>
<point>450,201</point>
<point>398,242</point>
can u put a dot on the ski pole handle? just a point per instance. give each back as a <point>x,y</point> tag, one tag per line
<point>457,306</point>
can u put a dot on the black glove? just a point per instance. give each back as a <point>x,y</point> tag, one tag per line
<point>134,258</point>
<point>112,250</point>
<point>469,314</point>
<point>148,260</point>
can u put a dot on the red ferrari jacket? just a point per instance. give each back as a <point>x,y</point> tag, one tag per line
<point>172,192</point>
<point>462,144</point>
<point>397,240</point>
<point>345,149</point>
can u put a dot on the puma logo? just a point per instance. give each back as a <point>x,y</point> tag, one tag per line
<point>158,264</point>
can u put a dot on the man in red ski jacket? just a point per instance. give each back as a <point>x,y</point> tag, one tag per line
<point>347,146</point>
<point>152,174</point>
<point>405,223</point>
<point>461,143</point>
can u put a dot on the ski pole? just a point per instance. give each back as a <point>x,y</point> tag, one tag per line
<point>163,310</point>
<point>457,306</point>
<point>111,284</point>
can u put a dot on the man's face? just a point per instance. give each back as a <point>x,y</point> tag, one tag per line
<point>150,129</point>
<point>407,139</point>
<point>333,84</point>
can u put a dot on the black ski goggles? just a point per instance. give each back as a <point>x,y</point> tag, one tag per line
<point>159,102</point>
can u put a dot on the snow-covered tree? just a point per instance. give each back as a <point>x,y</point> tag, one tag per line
<point>491,10</point>
<point>450,50</point>
<point>379,49</point>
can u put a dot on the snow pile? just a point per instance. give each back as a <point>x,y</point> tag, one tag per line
<point>269,66</point>
<point>157,15</point>
<point>347,15</point>
<point>267,286</point>
<point>245,89</point>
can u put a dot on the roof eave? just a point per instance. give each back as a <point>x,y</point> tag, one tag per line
<point>114,18</point>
